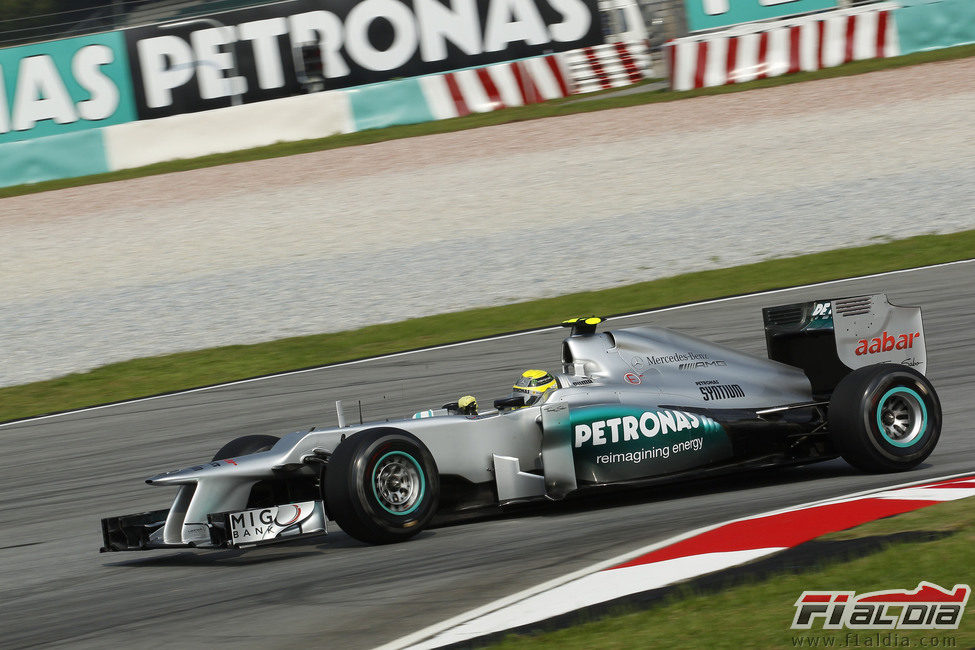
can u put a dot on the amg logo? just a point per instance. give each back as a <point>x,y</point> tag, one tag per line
<point>701,364</point>
<point>721,391</point>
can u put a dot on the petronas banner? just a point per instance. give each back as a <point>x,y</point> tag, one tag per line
<point>248,55</point>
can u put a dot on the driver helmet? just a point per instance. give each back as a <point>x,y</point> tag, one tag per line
<point>467,405</point>
<point>533,384</point>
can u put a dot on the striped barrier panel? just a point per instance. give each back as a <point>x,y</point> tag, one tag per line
<point>762,50</point>
<point>489,88</point>
<point>608,66</point>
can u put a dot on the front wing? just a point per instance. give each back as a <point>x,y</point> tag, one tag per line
<point>243,529</point>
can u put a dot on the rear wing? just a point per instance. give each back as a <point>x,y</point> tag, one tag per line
<point>829,338</point>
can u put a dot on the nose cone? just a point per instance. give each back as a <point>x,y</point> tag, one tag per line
<point>177,477</point>
<point>184,476</point>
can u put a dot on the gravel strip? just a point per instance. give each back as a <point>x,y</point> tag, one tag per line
<point>339,239</point>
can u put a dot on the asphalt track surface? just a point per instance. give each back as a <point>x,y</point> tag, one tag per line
<point>60,475</point>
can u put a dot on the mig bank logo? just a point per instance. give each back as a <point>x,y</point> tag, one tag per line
<point>929,607</point>
<point>268,523</point>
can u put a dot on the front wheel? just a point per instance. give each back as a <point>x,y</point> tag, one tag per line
<point>885,418</point>
<point>382,486</point>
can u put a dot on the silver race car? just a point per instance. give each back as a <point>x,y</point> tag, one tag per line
<point>639,405</point>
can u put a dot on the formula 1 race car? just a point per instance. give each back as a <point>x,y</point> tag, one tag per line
<point>632,406</point>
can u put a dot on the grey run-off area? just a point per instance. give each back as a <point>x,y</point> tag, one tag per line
<point>340,239</point>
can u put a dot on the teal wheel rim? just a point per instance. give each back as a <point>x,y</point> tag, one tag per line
<point>902,417</point>
<point>398,483</point>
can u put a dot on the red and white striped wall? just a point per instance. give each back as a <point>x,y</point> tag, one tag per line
<point>530,81</point>
<point>687,556</point>
<point>760,50</point>
<point>479,90</point>
<point>608,66</point>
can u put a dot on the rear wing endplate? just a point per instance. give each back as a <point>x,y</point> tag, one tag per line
<point>830,338</point>
<point>870,330</point>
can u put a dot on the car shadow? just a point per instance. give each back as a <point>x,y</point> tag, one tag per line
<point>226,558</point>
<point>316,546</point>
<point>616,496</point>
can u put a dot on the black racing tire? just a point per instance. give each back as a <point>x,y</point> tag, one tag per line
<point>245,445</point>
<point>885,418</point>
<point>382,485</point>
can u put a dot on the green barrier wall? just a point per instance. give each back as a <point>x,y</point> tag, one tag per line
<point>57,156</point>
<point>64,86</point>
<point>388,103</point>
<point>708,14</point>
<point>934,24</point>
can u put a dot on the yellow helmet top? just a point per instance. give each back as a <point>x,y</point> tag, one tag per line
<point>534,382</point>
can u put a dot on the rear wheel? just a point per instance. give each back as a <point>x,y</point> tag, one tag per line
<point>885,418</point>
<point>382,486</point>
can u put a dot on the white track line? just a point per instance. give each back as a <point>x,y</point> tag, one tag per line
<point>446,346</point>
<point>433,630</point>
